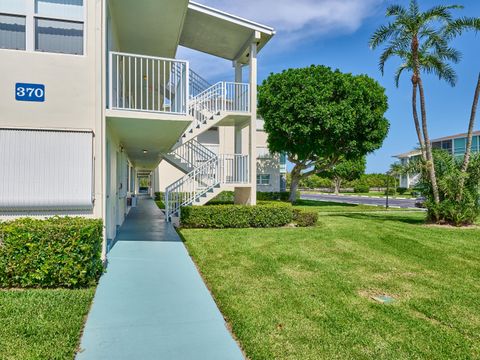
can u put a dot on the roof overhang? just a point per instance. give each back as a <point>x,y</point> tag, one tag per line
<point>218,33</point>
<point>148,27</point>
<point>146,136</point>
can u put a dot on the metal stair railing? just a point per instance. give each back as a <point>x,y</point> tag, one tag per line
<point>192,153</point>
<point>191,187</point>
<point>223,96</point>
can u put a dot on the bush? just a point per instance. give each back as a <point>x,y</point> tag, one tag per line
<point>269,196</point>
<point>450,210</point>
<point>224,198</point>
<point>361,188</point>
<point>390,191</point>
<point>305,218</point>
<point>236,216</point>
<point>402,190</point>
<point>57,252</point>
<point>159,196</point>
<point>228,197</point>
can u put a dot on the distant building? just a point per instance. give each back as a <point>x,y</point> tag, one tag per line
<point>455,144</point>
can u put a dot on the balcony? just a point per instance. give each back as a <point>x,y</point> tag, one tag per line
<point>148,84</point>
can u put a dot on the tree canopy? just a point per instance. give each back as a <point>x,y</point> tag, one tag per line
<point>320,117</point>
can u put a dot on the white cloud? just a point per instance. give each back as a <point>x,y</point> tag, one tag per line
<point>299,19</point>
<point>293,20</point>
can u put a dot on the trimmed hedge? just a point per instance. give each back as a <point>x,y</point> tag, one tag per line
<point>402,190</point>
<point>57,252</point>
<point>361,188</point>
<point>236,216</point>
<point>269,196</point>
<point>305,218</point>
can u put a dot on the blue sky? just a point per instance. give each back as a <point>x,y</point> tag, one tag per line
<point>336,33</point>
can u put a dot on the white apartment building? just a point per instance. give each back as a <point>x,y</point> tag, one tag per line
<point>454,144</point>
<point>92,98</point>
<point>271,169</point>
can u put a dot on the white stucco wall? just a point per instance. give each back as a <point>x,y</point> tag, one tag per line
<point>73,91</point>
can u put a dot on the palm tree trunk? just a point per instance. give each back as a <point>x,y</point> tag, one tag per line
<point>415,117</point>
<point>471,125</point>
<point>428,145</point>
<point>468,150</point>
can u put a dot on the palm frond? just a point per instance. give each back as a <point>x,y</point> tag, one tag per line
<point>400,71</point>
<point>432,64</point>
<point>382,34</point>
<point>440,13</point>
<point>457,27</point>
<point>396,10</point>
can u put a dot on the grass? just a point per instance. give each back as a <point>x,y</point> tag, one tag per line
<point>306,293</point>
<point>42,324</point>
<point>327,207</point>
<point>369,194</point>
<point>160,204</point>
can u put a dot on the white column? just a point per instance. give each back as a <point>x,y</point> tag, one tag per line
<point>253,120</point>
<point>238,130</point>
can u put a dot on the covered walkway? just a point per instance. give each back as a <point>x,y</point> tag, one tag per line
<point>152,303</point>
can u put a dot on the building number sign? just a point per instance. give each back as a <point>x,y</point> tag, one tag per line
<point>30,92</point>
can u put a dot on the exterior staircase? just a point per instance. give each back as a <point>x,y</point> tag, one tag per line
<point>206,173</point>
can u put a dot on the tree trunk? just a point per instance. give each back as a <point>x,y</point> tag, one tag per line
<point>294,186</point>
<point>471,125</point>
<point>468,149</point>
<point>337,182</point>
<point>415,116</point>
<point>428,145</point>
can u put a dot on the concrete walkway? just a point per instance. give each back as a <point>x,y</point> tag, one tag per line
<point>152,303</point>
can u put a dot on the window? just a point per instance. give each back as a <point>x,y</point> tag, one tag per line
<point>263,179</point>
<point>12,32</point>
<point>460,145</point>
<point>59,36</point>
<point>55,26</point>
<point>447,145</point>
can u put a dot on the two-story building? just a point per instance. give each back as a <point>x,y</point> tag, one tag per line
<point>454,144</point>
<point>93,98</point>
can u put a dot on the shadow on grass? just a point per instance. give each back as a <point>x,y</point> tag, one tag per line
<point>407,218</point>
<point>323,203</point>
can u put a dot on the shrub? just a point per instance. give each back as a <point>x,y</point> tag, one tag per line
<point>450,210</point>
<point>402,190</point>
<point>57,252</point>
<point>159,196</point>
<point>268,196</point>
<point>224,198</point>
<point>305,218</point>
<point>236,216</point>
<point>361,188</point>
<point>228,197</point>
<point>390,191</point>
<point>160,204</point>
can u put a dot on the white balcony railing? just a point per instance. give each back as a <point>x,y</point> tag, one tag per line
<point>233,169</point>
<point>147,83</point>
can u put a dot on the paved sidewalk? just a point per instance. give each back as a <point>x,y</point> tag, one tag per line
<point>152,303</point>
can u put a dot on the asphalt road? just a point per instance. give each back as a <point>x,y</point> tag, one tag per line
<point>363,200</point>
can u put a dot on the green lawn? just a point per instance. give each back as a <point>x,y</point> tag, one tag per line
<point>305,293</point>
<point>369,194</point>
<point>42,324</point>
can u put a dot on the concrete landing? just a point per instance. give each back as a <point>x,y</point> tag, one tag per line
<point>152,303</point>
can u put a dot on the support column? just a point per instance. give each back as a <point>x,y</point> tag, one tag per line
<point>238,130</point>
<point>253,120</point>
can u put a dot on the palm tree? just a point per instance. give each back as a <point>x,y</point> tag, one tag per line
<point>421,41</point>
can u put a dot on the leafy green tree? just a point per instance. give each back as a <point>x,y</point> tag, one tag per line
<point>320,117</point>
<point>348,170</point>
<point>421,41</point>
